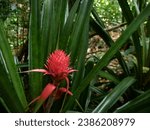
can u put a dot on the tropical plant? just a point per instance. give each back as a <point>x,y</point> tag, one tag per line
<point>58,26</point>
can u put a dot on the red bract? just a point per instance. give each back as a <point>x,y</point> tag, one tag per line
<point>47,91</point>
<point>57,67</point>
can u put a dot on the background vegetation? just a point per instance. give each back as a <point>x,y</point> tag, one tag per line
<point>108,42</point>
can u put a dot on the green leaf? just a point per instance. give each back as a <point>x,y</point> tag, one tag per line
<point>127,13</point>
<point>53,20</point>
<point>114,95</point>
<point>9,76</point>
<point>8,95</point>
<point>4,104</point>
<point>67,29</point>
<point>83,15</point>
<point>108,76</point>
<point>34,48</point>
<point>139,104</point>
<point>80,63</point>
<point>97,18</point>
<point>52,24</point>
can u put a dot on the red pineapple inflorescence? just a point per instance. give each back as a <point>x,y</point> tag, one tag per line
<point>57,66</point>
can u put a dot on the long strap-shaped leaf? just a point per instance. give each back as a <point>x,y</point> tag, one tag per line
<point>67,29</point>
<point>13,76</point>
<point>83,14</point>
<point>139,104</point>
<point>127,13</point>
<point>8,94</point>
<point>34,48</point>
<point>114,95</point>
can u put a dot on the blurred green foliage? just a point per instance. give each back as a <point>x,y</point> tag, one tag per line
<point>16,23</point>
<point>4,9</point>
<point>109,11</point>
